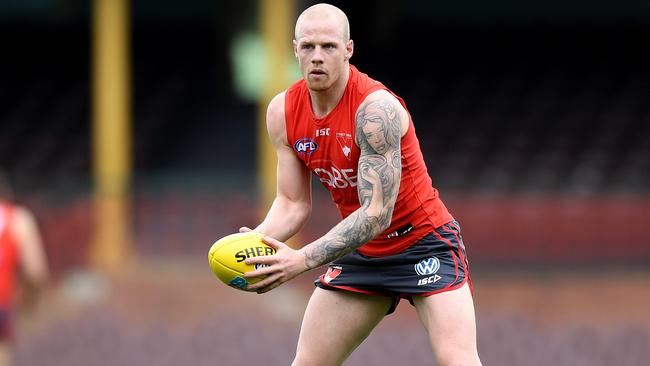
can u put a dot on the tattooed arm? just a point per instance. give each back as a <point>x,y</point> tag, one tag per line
<point>381,121</point>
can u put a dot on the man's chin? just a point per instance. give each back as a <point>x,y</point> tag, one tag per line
<point>316,86</point>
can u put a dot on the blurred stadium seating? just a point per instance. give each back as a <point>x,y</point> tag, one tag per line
<point>499,111</point>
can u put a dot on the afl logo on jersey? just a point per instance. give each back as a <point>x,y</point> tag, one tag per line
<point>305,146</point>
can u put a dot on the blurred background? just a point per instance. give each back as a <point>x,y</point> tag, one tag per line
<point>132,130</point>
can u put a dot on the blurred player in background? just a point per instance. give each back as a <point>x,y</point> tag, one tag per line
<point>22,261</point>
<point>396,239</point>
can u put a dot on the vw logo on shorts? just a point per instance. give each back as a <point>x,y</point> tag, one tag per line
<point>427,266</point>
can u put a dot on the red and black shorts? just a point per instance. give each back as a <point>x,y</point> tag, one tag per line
<point>434,264</point>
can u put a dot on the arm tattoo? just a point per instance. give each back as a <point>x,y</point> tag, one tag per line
<point>378,134</point>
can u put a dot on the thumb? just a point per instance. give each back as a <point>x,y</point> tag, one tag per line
<point>244,229</point>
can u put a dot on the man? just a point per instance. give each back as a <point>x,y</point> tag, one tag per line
<point>21,252</point>
<point>396,239</point>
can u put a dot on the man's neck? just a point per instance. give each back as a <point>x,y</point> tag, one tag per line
<point>323,102</point>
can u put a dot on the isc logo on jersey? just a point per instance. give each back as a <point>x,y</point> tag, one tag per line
<point>305,146</point>
<point>428,267</point>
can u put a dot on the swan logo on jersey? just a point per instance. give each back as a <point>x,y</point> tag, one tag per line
<point>427,266</point>
<point>345,142</point>
<point>305,146</point>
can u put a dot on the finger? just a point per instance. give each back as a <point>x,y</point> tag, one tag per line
<point>273,285</point>
<point>263,259</point>
<point>269,288</point>
<point>264,284</point>
<point>275,244</point>
<point>260,272</point>
<point>244,229</point>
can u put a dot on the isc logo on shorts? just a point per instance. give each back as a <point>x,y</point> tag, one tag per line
<point>428,267</point>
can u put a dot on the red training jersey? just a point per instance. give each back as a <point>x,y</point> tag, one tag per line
<point>327,146</point>
<point>8,256</point>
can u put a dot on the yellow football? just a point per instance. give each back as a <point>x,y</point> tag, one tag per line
<point>227,258</point>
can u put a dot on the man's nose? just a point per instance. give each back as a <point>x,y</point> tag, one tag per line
<point>317,56</point>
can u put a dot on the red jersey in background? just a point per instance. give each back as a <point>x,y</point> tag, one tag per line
<point>8,257</point>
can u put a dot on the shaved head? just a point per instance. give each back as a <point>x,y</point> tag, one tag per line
<point>323,13</point>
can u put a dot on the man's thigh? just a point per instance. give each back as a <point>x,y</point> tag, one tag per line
<point>451,324</point>
<point>335,323</point>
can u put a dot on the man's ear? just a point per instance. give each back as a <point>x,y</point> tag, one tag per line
<point>349,50</point>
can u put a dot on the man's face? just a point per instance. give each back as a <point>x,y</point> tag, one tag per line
<point>322,53</point>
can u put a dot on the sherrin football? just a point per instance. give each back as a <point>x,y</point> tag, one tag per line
<point>227,258</point>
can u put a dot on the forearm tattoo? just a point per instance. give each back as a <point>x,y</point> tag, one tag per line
<point>378,134</point>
